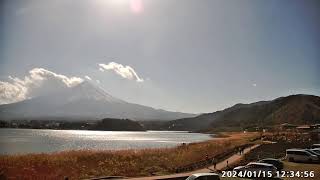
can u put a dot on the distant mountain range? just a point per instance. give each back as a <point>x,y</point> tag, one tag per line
<point>295,109</point>
<point>83,102</point>
<point>89,102</point>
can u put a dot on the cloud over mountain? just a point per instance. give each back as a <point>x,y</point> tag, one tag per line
<point>126,72</point>
<point>39,81</point>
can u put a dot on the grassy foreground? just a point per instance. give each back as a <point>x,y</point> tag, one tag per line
<point>291,166</point>
<point>86,164</point>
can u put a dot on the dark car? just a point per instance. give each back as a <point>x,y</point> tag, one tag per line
<point>275,162</point>
<point>315,146</point>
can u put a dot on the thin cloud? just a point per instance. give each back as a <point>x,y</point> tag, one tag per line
<point>39,81</point>
<point>126,72</point>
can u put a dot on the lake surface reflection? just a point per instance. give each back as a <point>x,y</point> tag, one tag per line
<point>21,141</point>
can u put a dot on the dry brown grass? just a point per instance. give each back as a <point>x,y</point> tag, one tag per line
<point>86,164</point>
<point>301,167</point>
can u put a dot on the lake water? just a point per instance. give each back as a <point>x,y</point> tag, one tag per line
<point>21,141</point>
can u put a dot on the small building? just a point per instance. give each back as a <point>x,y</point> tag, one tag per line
<point>315,126</point>
<point>304,128</point>
<point>287,126</point>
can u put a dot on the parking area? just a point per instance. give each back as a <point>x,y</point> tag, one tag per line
<point>295,167</point>
<point>278,150</point>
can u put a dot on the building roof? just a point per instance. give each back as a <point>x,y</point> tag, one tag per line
<point>287,124</point>
<point>304,127</point>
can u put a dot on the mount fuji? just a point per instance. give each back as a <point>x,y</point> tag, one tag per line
<point>82,102</point>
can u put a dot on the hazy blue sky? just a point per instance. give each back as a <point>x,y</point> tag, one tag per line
<point>192,55</point>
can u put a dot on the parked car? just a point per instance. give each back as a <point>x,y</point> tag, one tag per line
<point>275,162</point>
<point>204,176</point>
<point>315,146</point>
<point>314,153</point>
<point>300,155</point>
<point>255,168</point>
<point>317,150</point>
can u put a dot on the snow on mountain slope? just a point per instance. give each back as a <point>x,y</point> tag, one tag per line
<point>88,91</point>
<point>84,101</point>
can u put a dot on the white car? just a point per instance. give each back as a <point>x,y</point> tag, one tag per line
<point>317,150</point>
<point>204,176</point>
<point>256,170</point>
<point>313,153</point>
<point>300,155</point>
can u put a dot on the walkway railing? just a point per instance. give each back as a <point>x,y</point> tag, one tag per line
<point>205,163</point>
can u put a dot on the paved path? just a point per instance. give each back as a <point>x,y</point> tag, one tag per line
<point>231,160</point>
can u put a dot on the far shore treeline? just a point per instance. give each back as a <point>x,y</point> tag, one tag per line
<point>108,124</point>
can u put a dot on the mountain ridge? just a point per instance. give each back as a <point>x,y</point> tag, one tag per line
<point>296,109</point>
<point>84,101</point>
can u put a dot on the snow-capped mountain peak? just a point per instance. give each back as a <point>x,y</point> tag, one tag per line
<point>89,91</point>
<point>84,101</point>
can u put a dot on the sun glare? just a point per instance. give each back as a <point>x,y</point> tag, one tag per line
<point>135,6</point>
